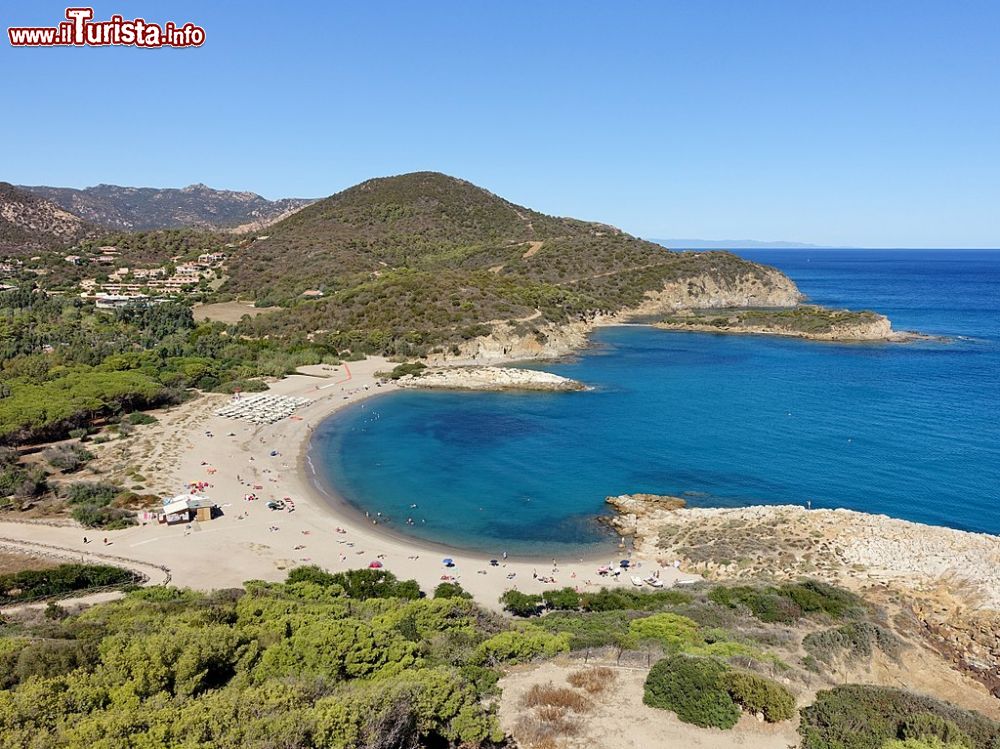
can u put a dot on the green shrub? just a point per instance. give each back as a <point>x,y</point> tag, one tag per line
<point>673,631</point>
<point>926,743</point>
<point>138,417</point>
<point>757,694</point>
<point>621,599</point>
<point>564,599</point>
<point>590,629</point>
<point>857,716</point>
<point>521,604</point>
<point>768,605</point>
<point>814,596</point>
<point>368,583</point>
<point>311,573</point>
<point>692,687</point>
<point>66,578</point>
<point>855,640</point>
<point>520,645</point>
<point>925,726</point>
<point>410,368</point>
<point>451,590</point>
<point>67,458</point>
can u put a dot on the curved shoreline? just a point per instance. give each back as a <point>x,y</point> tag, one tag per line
<point>249,541</point>
<point>328,494</point>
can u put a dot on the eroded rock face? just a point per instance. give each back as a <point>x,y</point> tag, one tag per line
<point>770,288</point>
<point>489,378</point>
<point>632,508</point>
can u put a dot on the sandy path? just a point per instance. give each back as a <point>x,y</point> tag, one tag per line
<point>241,545</point>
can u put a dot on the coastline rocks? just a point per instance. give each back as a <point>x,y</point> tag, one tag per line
<point>632,508</point>
<point>787,541</point>
<point>831,325</point>
<point>527,339</point>
<point>489,378</point>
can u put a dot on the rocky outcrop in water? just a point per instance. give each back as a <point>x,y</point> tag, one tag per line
<point>488,378</point>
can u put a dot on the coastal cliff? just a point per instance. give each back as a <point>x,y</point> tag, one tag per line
<point>759,286</point>
<point>488,378</point>
<point>534,338</point>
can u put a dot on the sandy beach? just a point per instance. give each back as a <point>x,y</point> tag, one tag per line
<point>190,444</point>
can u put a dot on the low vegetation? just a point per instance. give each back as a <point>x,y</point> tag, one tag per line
<point>30,585</point>
<point>868,717</point>
<point>300,664</point>
<point>92,505</point>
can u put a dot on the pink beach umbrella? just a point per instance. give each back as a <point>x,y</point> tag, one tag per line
<point>376,565</point>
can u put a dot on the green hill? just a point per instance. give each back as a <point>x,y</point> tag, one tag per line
<point>421,260</point>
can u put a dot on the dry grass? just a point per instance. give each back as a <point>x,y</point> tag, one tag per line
<point>543,728</point>
<point>550,717</point>
<point>549,695</point>
<point>593,680</point>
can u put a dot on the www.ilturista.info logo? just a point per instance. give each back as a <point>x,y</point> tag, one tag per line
<point>80,30</point>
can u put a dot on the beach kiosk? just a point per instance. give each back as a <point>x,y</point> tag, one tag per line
<point>186,507</point>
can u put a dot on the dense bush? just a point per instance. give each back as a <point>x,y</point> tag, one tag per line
<point>450,590</point>
<point>692,687</point>
<point>409,368</point>
<point>590,629</point>
<point>815,596</point>
<point>757,694</point>
<point>91,505</point>
<point>788,603</point>
<point>621,599</point>
<point>520,645</point>
<point>563,599</point>
<point>66,578</point>
<point>866,717</point>
<point>283,665</point>
<point>672,631</point>
<point>68,457</point>
<point>361,584</point>
<point>138,417</point>
<point>521,604</point>
<point>765,604</point>
<point>854,640</point>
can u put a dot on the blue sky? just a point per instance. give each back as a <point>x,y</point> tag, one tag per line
<point>842,123</point>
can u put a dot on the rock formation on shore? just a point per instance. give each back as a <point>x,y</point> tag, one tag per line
<point>489,378</point>
<point>805,321</point>
<point>945,581</point>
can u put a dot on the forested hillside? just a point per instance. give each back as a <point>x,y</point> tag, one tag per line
<point>63,363</point>
<point>422,260</point>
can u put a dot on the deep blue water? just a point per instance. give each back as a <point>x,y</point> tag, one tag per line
<point>909,430</point>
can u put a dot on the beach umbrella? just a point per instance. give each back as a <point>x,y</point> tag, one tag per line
<point>624,564</point>
<point>376,565</point>
<point>448,562</point>
<point>494,563</point>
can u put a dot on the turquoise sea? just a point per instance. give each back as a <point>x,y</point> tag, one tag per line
<point>909,430</point>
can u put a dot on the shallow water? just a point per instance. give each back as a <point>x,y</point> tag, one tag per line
<point>912,430</point>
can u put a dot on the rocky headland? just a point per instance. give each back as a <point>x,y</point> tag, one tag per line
<point>944,582</point>
<point>803,321</point>
<point>488,378</point>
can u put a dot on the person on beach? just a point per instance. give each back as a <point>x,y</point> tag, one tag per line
<point>85,540</point>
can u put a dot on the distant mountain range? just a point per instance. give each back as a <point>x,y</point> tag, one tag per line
<point>732,244</point>
<point>146,208</point>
